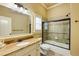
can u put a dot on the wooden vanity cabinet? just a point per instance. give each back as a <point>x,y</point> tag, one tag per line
<point>31,50</point>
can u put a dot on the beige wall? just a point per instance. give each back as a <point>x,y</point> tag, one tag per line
<point>19,21</point>
<point>37,8</point>
<point>74,29</point>
<point>58,11</point>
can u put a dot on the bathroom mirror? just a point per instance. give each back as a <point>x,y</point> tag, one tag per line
<point>13,22</point>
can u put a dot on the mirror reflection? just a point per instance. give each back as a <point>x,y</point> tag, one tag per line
<point>13,22</point>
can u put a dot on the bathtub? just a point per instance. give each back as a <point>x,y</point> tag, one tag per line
<point>58,44</point>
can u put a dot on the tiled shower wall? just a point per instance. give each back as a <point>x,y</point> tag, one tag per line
<point>57,31</point>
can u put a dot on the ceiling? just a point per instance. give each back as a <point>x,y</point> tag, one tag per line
<point>48,5</point>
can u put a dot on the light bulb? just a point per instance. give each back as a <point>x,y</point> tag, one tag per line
<point>20,10</point>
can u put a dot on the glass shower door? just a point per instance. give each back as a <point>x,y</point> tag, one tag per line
<point>57,33</point>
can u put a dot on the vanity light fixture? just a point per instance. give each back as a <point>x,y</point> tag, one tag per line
<point>16,7</point>
<point>21,8</point>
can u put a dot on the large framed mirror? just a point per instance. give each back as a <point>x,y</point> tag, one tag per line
<point>14,21</point>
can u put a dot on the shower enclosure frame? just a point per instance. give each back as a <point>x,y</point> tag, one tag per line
<point>66,19</point>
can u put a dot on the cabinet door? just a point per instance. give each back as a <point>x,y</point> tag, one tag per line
<point>38,48</point>
<point>31,53</point>
<point>35,51</point>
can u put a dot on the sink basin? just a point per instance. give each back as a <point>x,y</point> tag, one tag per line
<point>22,43</point>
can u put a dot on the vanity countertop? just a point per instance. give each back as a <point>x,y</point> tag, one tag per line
<point>16,36</point>
<point>13,46</point>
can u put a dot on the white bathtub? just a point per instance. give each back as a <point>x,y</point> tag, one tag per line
<point>50,50</point>
<point>57,43</point>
